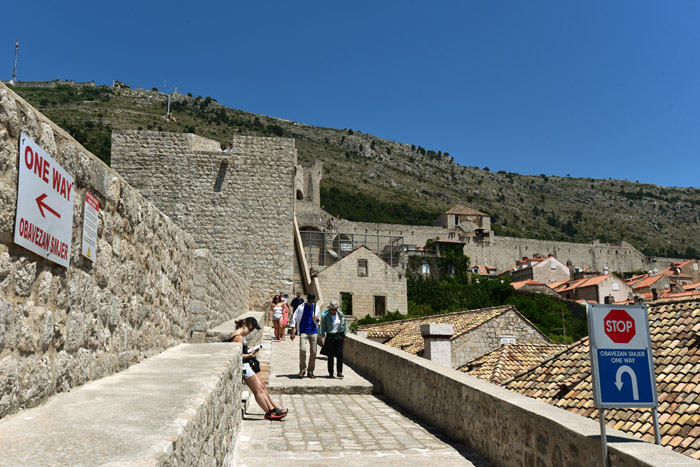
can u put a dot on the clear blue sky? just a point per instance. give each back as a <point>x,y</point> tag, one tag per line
<point>594,88</point>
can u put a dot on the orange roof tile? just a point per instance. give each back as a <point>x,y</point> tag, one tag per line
<point>587,282</point>
<point>647,281</point>
<point>565,379</point>
<point>509,360</point>
<point>520,284</point>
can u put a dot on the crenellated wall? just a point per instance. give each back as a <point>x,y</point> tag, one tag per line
<point>149,288</point>
<point>239,205</point>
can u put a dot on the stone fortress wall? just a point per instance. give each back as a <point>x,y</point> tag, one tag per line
<point>239,205</point>
<point>149,289</point>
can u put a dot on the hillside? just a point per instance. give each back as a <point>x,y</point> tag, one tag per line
<point>371,179</point>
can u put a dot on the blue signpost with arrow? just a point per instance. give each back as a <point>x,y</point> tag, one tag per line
<point>622,361</point>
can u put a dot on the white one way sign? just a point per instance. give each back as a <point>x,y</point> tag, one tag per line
<point>45,193</point>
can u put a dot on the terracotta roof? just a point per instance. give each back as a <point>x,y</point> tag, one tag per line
<point>465,211</point>
<point>520,284</point>
<point>578,283</point>
<point>692,286</point>
<point>503,363</point>
<point>484,270</point>
<point>642,281</point>
<point>405,334</point>
<point>565,380</point>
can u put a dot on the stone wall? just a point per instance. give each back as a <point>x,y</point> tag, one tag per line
<point>487,337</point>
<point>507,428</point>
<point>61,327</point>
<point>239,205</point>
<point>381,280</point>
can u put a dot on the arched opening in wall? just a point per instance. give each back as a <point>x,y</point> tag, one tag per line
<point>300,195</point>
<point>342,245</point>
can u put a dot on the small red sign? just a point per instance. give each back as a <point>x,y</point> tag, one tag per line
<point>619,326</point>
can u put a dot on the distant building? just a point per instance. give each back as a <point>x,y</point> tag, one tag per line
<point>546,270</point>
<point>476,332</point>
<point>607,288</point>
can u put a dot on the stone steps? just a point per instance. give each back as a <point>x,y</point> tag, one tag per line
<point>175,408</point>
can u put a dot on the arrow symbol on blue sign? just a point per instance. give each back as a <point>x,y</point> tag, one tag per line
<point>633,377</point>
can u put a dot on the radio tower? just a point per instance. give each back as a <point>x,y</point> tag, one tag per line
<point>14,69</point>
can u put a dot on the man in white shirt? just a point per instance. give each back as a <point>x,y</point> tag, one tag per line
<point>305,323</point>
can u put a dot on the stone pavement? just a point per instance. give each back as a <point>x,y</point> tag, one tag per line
<point>327,426</point>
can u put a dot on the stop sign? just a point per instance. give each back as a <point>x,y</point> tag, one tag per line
<point>619,326</point>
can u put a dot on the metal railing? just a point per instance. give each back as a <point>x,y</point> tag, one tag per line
<point>323,249</point>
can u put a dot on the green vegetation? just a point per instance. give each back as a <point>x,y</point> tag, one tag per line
<point>561,321</point>
<point>356,206</point>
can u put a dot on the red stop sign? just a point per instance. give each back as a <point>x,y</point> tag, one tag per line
<point>619,326</point>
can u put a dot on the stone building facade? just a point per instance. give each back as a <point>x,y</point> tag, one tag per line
<point>239,205</point>
<point>374,286</point>
<point>545,270</point>
<point>509,327</point>
<point>149,288</point>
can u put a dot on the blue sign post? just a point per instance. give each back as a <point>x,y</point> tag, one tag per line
<point>622,361</point>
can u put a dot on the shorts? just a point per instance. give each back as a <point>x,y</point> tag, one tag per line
<point>247,371</point>
<point>276,316</point>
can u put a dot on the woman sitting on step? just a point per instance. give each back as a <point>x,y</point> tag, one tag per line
<point>257,387</point>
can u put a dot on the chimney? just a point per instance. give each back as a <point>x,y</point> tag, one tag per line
<point>654,294</point>
<point>438,348</point>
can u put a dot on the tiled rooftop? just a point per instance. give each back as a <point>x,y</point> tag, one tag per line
<point>463,210</point>
<point>565,379</point>
<point>578,283</point>
<point>509,360</point>
<point>405,334</point>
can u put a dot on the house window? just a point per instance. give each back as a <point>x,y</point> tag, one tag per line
<point>552,265</point>
<point>425,269</point>
<point>379,305</point>
<point>346,303</point>
<point>615,286</point>
<point>456,220</point>
<point>507,340</point>
<point>451,269</point>
<point>362,267</point>
<point>695,266</point>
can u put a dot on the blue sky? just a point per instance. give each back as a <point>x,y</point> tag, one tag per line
<point>592,89</point>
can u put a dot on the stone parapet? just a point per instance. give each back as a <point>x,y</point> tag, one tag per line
<point>181,407</point>
<point>505,427</point>
<point>148,289</point>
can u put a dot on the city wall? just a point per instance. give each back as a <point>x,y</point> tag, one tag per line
<point>149,288</point>
<point>507,428</point>
<point>239,205</point>
<point>496,251</point>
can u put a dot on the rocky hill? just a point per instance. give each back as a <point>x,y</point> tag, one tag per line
<point>371,179</point>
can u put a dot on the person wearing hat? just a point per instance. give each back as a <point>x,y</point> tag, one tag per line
<point>243,328</point>
<point>333,337</point>
<point>304,323</point>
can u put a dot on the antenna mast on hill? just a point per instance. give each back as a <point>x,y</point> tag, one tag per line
<point>14,69</point>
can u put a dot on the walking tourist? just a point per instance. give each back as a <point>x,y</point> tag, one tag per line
<point>257,387</point>
<point>333,337</point>
<point>277,310</point>
<point>304,323</point>
<point>296,301</point>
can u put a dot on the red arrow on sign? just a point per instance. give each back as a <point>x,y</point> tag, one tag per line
<point>40,202</point>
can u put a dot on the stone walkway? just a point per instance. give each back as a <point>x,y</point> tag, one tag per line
<point>337,422</point>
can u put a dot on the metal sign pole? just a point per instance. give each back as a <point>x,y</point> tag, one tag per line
<point>657,435</point>
<point>604,438</point>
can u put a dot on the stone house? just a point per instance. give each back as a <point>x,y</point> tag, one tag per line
<point>651,286</point>
<point>607,288</point>
<point>545,270</point>
<point>507,361</point>
<point>476,332</point>
<point>369,284</point>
